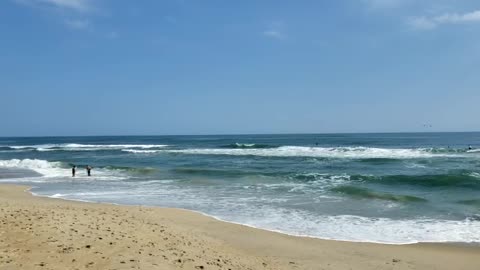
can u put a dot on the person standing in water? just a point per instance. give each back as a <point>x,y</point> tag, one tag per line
<point>73,170</point>
<point>88,170</point>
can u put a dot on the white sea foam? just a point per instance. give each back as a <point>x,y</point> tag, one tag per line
<point>266,212</point>
<point>475,174</point>
<point>246,211</point>
<point>89,195</point>
<point>57,170</point>
<point>415,166</point>
<point>135,151</point>
<point>33,146</point>
<point>323,152</point>
<point>115,146</point>
<point>317,183</point>
<point>43,167</point>
<point>153,182</point>
<point>86,147</point>
<point>364,229</point>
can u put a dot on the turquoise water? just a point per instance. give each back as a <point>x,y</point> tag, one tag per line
<point>389,188</point>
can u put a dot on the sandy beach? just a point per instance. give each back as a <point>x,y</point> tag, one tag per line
<point>44,233</point>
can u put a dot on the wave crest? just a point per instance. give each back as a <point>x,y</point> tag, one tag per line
<point>248,146</point>
<point>321,152</point>
<point>46,168</point>
<point>85,147</point>
<point>135,151</point>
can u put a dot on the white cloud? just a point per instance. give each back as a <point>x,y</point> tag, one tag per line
<point>78,24</point>
<point>275,30</point>
<point>459,18</point>
<point>80,5</point>
<point>75,5</point>
<point>428,23</point>
<point>274,34</point>
<point>72,13</point>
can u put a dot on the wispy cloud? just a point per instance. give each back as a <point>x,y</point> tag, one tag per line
<point>75,14</point>
<point>78,24</point>
<point>275,30</point>
<point>74,5</point>
<point>79,5</point>
<point>432,22</point>
<point>274,34</point>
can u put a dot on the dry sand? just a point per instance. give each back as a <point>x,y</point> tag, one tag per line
<point>42,233</point>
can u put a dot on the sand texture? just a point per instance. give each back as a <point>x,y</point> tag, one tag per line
<point>42,233</point>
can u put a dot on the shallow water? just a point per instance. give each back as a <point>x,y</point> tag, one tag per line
<point>389,188</point>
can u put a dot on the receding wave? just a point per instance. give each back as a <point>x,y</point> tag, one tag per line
<point>366,229</point>
<point>463,180</point>
<point>248,146</point>
<point>364,193</point>
<point>321,152</point>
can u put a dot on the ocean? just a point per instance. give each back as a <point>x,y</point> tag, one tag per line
<point>395,188</point>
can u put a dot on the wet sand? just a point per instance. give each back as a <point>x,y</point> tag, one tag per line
<point>43,233</point>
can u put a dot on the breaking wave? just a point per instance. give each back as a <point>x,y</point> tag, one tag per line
<point>135,151</point>
<point>60,170</point>
<point>84,147</point>
<point>45,168</point>
<point>322,152</point>
<point>248,146</point>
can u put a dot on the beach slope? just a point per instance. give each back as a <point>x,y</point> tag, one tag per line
<point>43,233</point>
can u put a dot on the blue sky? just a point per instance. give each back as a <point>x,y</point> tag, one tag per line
<point>111,67</point>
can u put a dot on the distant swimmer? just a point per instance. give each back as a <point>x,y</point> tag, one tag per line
<point>470,147</point>
<point>88,170</point>
<point>73,170</point>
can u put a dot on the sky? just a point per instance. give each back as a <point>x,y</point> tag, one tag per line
<point>154,67</point>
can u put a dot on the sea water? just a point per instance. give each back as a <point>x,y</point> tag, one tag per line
<point>387,188</point>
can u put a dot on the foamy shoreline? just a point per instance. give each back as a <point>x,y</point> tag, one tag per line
<point>59,234</point>
<point>474,244</point>
<point>331,227</point>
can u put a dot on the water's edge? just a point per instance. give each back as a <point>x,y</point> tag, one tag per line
<point>29,189</point>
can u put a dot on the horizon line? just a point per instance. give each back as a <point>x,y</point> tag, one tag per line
<point>238,134</point>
